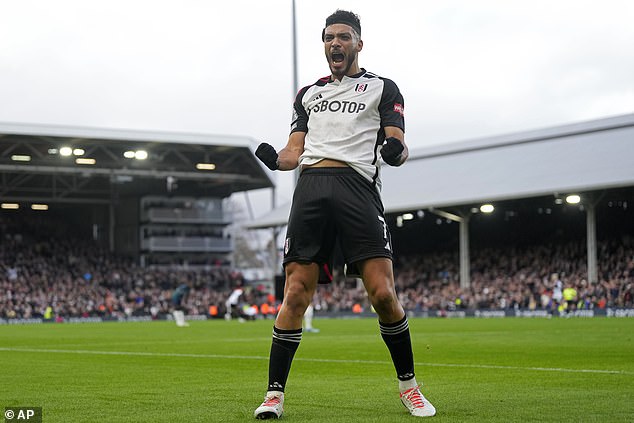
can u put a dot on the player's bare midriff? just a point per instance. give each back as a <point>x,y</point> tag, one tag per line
<point>327,163</point>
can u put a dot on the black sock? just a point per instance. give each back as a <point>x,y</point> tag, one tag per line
<point>396,337</point>
<point>283,347</point>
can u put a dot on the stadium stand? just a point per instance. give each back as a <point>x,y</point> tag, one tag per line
<point>42,265</point>
<point>75,278</point>
<point>76,263</point>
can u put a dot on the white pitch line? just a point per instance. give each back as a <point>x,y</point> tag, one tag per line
<point>312,360</point>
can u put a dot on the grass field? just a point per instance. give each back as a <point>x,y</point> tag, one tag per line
<point>474,370</point>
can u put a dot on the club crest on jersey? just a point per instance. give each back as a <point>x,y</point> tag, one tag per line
<point>361,88</point>
<point>398,108</point>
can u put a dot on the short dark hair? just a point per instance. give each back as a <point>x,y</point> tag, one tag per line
<point>343,17</point>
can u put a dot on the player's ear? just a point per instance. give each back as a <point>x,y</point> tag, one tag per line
<point>359,46</point>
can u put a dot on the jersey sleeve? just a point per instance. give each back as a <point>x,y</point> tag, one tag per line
<point>392,106</point>
<point>299,122</point>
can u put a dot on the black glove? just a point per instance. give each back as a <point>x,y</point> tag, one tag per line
<point>391,151</point>
<point>267,154</point>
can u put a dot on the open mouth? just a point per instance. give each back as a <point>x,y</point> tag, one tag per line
<point>337,57</point>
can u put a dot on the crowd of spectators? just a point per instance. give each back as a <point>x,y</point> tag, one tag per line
<point>530,278</point>
<point>76,279</point>
<point>56,277</point>
<point>46,272</point>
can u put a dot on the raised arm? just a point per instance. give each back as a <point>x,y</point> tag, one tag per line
<point>394,150</point>
<point>289,155</point>
<point>287,158</point>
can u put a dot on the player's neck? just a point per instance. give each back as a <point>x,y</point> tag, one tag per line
<point>354,70</point>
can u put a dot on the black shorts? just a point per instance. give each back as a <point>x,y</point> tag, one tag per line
<point>331,205</point>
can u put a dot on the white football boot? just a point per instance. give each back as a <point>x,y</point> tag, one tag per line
<point>416,403</point>
<point>272,407</point>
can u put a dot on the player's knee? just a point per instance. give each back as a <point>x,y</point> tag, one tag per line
<point>296,299</point>
<point>383,299</point>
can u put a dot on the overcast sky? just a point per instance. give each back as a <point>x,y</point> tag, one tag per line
<point>466,68</point>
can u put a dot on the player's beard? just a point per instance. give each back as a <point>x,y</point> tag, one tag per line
<point>340,72</point>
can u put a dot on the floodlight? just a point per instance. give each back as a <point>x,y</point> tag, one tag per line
<point>205,166</point>
<point>129,154</point>
<point>10,206</point>
<point>85,161</point>
<point>487,208</point>
<point>65,151</point>
<point>39,206</point>
<point>21,158</point>
<point>78,152</point>
<point>573,199</point>
<point>140,155</point>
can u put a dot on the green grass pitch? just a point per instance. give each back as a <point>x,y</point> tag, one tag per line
<point>474,370</point>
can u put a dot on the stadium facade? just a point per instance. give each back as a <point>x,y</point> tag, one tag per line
<point>156,196</point>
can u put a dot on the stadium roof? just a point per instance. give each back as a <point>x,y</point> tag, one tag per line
<point>581,157</point>
<point>32,167</point>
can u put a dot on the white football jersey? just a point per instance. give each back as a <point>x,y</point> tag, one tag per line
<point>345,120</point>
